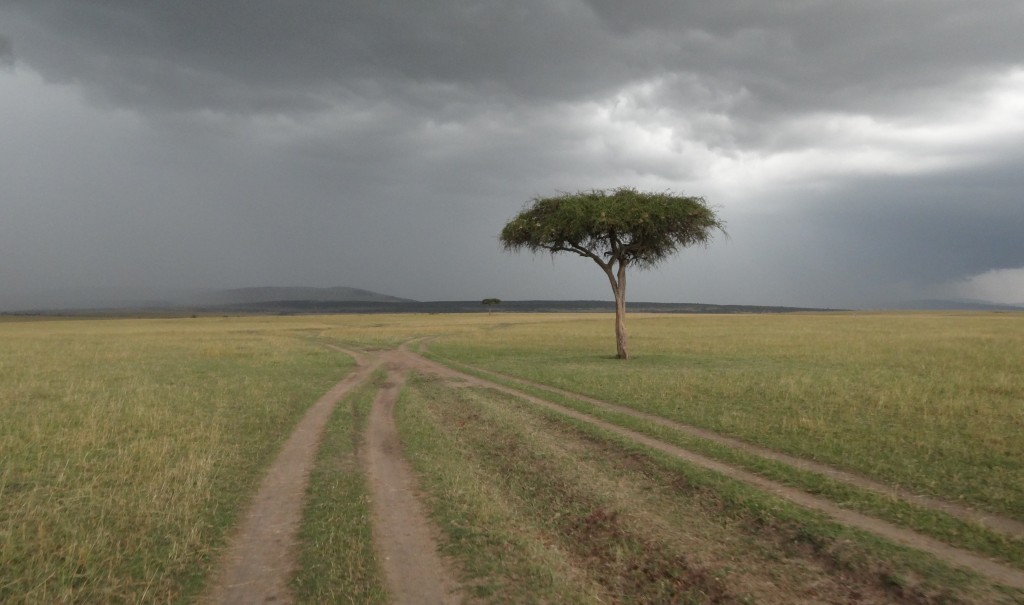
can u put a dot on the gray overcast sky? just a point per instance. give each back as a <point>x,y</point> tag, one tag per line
<point>861,152</point>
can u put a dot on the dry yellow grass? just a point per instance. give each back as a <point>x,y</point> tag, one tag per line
<point>928,401</point>
<point>128,446</point>
<point>536,508</point>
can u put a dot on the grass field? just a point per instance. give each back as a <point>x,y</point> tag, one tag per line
<point>128,448</point>
<point>927,401</point>
<point>540,510</point>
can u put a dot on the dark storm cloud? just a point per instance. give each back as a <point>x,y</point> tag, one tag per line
<point>955,224</point>
<point>732,70</point>
<point>758,58</point>
<point>269,55</point>
<point>761,62</point>
<point>852,146</point>
<point>807,54</point>
<point>6,52</point>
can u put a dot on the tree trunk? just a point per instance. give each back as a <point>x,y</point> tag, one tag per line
<point>621,338</point>
<point>620,326</point>
<point>618,284</point>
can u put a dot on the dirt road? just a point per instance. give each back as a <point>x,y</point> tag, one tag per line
<point>401,531</point>
<point>261,558</point>
<point>959,557</point>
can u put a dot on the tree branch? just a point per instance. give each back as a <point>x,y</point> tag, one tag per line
<point>578,249</point>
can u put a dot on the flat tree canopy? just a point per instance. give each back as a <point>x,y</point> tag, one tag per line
<point>490,302</point>
<point>615,228</point>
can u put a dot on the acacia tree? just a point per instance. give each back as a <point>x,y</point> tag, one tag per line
<point>490,302</point>
<point>616,228</point>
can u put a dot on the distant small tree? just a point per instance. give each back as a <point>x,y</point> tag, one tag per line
<point>615,228</point>
<point>490,302</point>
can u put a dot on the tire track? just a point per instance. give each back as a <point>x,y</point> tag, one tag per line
<point>993,521</point>
<point>958,557</point>
<point>402,533</point>
<point>260,558</point>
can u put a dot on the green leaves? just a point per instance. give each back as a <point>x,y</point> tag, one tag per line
<point>624,225</point>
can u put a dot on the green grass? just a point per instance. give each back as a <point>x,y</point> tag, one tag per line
<point>926,401</point>
<point>128,448</point>
<point>337,562</point>
<point>942,526</point>
<point>538,508</point>
<point>370,332</point>
<point>502,558</point>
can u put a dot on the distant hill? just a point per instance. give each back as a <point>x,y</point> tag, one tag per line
<point>269,301</point>
<point>287,307</point>
<point>294,300</point>
<point>270,294</point>
<point>127,301</point>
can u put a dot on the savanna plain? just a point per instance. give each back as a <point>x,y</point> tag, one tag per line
<point>708,469</point>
